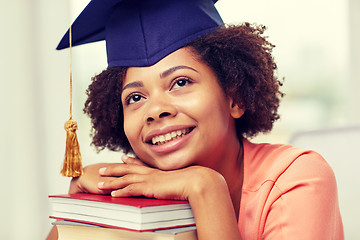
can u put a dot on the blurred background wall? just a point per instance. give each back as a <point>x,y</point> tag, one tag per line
<point>317,53</point>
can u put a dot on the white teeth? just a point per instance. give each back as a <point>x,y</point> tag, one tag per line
<point>161,139</point>
<point>167,137</point>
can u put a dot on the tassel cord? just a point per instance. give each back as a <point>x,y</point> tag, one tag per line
<point>72,166</point>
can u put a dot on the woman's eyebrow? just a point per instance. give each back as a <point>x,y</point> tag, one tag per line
<point>162,75</point>
<point>133,85</point>
<point>173,69</point>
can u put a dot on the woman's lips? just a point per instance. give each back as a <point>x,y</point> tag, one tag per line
<point>170,141</point>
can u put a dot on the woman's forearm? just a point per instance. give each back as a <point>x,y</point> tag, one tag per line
<point>212,207</point>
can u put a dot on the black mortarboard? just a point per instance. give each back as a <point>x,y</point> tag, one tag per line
<point>141,32</point>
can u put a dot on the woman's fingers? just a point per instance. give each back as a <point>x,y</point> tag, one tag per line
<point>132,190</point>
<point>123,176</point>
<point>127,186</point>
<point>136,180</point>
<point>130,160</point>
<point>121,182</point>
<point>87,183</point>
<point>121,169</point>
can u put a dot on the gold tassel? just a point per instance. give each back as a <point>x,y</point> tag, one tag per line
<point>72,163</point>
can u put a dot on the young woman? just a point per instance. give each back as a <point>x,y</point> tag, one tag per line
<point>187,118</point>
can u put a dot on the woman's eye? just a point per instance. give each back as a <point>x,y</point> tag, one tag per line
<point>181,83</point>
<point>133,98</point>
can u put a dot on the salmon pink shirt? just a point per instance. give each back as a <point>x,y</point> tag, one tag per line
<point>288,193</point>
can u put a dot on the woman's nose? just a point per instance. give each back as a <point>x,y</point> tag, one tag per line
<point>159,109</point>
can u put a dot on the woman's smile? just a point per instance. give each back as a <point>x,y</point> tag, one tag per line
<point>171,141</point>
<point>161,139</point>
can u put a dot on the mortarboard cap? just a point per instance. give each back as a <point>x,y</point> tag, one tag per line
<point>142,32</point>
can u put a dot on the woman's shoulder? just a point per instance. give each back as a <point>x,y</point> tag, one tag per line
<point>288,191</point>
<point>268,162</point>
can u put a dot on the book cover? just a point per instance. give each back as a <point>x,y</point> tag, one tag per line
<point>138,214</point>
<point>72,230</point>
<point>138,202</point>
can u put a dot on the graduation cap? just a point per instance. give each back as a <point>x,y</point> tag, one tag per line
<point>138,33</point>
<point>141,32</point>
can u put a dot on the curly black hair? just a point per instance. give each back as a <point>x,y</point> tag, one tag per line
<point>241,58</point>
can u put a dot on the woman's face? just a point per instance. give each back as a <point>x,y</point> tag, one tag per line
<point>176,114</point>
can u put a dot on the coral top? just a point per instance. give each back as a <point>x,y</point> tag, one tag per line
<point>288,193</point>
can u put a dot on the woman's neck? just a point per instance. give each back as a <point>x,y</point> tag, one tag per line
<point>231,168</point>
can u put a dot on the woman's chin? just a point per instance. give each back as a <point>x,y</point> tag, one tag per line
<point>169,163</point>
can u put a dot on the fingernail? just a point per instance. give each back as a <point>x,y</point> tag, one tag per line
<point>124,158</point>
<point>113,193</point>
<point>102,170</point>
<point>100,184</point>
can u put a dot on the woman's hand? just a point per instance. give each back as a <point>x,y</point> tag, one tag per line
<point>134,178</point>
<point>88,182</point>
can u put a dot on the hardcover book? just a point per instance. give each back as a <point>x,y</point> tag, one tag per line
<point>137,214</point>
<point>72,230</point>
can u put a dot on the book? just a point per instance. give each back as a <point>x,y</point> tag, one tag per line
<point>136,214</point>
<point>68,230</point>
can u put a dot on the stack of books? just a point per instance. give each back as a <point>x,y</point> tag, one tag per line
<point>91,216</point>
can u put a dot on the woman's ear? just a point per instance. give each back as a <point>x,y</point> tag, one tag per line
<point>235,110</point>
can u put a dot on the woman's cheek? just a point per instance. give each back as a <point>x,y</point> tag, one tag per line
<point>130,129</point>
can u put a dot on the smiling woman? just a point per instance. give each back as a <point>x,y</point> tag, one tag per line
<point>186,109</point>
<point>168,106</point>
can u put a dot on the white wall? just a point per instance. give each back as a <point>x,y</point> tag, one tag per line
<point>354,63</point>
<point>32,91</point>
<point>34,103</point>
